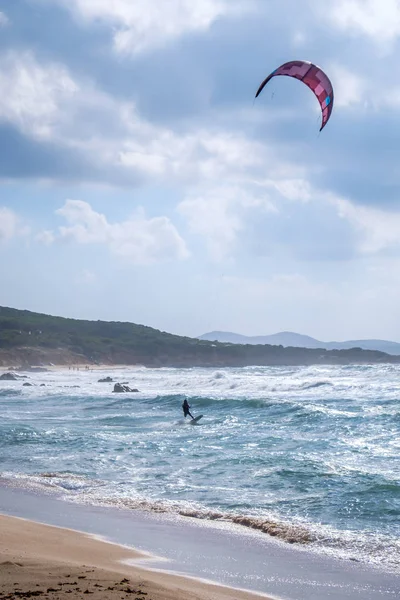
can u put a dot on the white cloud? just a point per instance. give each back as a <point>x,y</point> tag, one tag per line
<point>218,215</point>
<point>8,224</point>
<point>378,229</point>
<point>295,190</point>
<point>350,88</point>
<point>4,20</point>
<point>201,154</point>
<point>32,96</point>
<point>137,239</point>
<point>44,101</point>
<point>212,216</point>
<point>141,25</point>
<point>377,19</point>
<point>45,237</point>
<point>11,225</point>
<point>370,92</point>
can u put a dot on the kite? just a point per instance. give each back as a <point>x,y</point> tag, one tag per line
<point>314,77</point>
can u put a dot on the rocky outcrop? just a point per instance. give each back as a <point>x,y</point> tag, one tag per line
<point>8,377</point>
<point>106,380</point>
<point>120,388</point>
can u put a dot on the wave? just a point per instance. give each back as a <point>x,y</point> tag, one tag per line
<point>368,547</point>
<point>118,420</point>
<point>226,403</point>
<point>68,481</point>
<point>292,534</point>
<point>316,384</point>
<point>5,393</point>
<point>350,545</point>
<point>19,434</point>
<point>279,406</point>
<point>63,481</point>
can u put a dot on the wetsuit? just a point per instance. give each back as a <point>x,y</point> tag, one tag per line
<point>186,411</point>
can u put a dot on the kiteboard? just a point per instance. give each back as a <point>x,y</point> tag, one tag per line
<point>195,420</point>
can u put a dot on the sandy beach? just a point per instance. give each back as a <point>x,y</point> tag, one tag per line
<point>67,367</point>
<point>51,562</point>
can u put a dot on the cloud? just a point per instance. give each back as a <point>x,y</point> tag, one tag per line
<point>45,237</point>
<point>192,156</point>
<point>350,88</point>
<point>375,19</point>
<point>289,218</point>
<point>295,189</point>
<point>212,217</point>
<point>33,96</point>
<point>139,240</point>
<point>218,215</point>
<point>378,229</point>
<point>141,25</point>
<point>373,230</point>
<point>45,103</point>
<point>373,93</point>
<point>42,160</point>
<point>4,20</point>
<point>8,224</point>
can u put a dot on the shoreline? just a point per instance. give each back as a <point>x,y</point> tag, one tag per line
<point>72,562</point>
<point>84,367</point>
<point>189,554</point>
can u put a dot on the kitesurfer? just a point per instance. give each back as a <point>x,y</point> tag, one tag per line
<point>185,407</point>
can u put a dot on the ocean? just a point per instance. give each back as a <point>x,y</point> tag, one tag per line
<point>308,455</point>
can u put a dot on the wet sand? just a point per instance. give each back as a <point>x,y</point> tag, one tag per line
<point>50,562</point>
<point>182,554</point>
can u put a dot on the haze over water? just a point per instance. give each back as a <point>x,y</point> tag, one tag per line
<point>310,455</point>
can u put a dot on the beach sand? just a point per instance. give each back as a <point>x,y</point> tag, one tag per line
<point>50,562</point>
<point>84,367</point>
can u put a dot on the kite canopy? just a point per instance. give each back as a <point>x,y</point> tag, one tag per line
<point>313,77</point>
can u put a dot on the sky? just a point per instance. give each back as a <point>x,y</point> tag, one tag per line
<point>142,181</point>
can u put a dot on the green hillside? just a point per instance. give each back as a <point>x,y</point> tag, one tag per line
<point>24,333</point>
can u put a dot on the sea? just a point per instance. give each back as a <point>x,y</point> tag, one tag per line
<point>307,455</point>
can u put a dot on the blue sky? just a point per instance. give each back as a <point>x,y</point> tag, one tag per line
<point>140,181</point>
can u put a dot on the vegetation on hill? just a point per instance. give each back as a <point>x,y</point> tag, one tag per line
<point>24,333</point>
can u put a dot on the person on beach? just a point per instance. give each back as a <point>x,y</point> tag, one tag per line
<point>185,407</point>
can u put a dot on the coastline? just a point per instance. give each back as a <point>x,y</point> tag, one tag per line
<point>69,367</point>
<point>185,558</point>
<point>38,559</point>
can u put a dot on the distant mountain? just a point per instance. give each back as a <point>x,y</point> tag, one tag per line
<point>296,340</point>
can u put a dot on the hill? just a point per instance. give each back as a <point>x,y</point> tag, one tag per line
<point>28,338</point>
<point>290,339</point>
